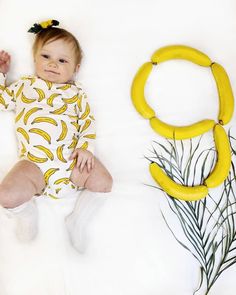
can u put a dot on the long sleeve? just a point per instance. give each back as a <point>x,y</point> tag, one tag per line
<point>86,124</point>
<point>7,98</point>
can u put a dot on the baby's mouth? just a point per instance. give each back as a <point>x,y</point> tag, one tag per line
<point>50,71</point>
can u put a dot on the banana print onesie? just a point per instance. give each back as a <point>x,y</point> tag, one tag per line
<point>51,121</point>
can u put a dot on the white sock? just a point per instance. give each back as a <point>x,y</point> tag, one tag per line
<point>76,222</point>
<point>26,216</point>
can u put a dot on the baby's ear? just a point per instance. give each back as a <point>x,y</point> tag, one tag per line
<point>77,68</point>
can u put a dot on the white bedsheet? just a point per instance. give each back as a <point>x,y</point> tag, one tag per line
<point>130,250</point>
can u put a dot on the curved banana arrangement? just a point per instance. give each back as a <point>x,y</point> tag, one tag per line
<point>36,159</point>
<point>226,109</point>
<point>46,151</point>
<point>29,113</point>
<point>137,91</point>
<point>223,163</point>
<point>183,132</point>
<point>181,52</point>
<point>49,173</point>
<point>44,120</point>
<point>42,133</point>
<point>226,98</point>
<point>60,154</point>
<point>64,130</point>
<point>174,189</point>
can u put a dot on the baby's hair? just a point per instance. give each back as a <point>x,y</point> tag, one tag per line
<point>53,34</point>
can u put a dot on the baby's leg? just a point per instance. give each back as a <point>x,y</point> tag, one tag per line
<point>23,181</point>
<point>98,180</point>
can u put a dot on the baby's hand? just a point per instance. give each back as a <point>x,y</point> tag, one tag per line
<point>5,60</point>
<point>83,158</point>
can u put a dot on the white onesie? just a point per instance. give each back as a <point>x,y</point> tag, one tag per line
<point>51,121</point>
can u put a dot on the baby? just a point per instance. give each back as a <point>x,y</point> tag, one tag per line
<point>54,124</point>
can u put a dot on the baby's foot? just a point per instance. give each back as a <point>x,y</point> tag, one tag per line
<point>26,217</point>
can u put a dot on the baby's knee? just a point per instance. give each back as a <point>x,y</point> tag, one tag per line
<point>7,198</point>
<point>100,185</point>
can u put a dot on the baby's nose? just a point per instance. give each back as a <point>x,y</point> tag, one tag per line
<point>52,64</point>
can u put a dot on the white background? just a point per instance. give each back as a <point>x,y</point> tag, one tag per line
<point>131,251</point>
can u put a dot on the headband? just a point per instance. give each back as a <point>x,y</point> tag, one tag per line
<point>43,25</point>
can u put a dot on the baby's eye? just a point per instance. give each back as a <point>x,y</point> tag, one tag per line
<point>45,56</point>
<point>61,60</point>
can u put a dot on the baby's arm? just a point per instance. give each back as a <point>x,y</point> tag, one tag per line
<point>7,101</point>
<point>85,148</point>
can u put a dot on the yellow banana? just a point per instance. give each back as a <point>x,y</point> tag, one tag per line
<point>31,79</point>
<point>49,84</point>
<point>51,98</point>
<point>27,100</point>
<point>60,111</point>
<point>44,120</point>
<point>177,132</point>
<point>84,146</point>
<point>73,99</point>
<point>23,149</point>
<point>49,173</point>
<point>53,197</point>
<point>19,115</point>
<point>86,125</point>
<point>24,133</point>
<point>72,165</point>
<point>77,126</point>
<point>60,154</point>
<point>29,113</point>
<point>9,92</point>
<point>46,151</point>
<point>86,112</point>
<point>41,93</point>
<point>20,90</point>
<point>79,102</point>
<point>3,102</point>
<point>181,52</point>
<point>222,167</point>
<point>64,87</point>
<point>226,98</point>
<point>63,131</point>
<point>74,142</point>
<point>178,191</point>
<point>92,136</point>
<point>36,159</point>
<point>137,91</point>
<point>65,180</point>
<point>42,133</point>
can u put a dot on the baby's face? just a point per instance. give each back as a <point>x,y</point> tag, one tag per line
<point>55,62</point>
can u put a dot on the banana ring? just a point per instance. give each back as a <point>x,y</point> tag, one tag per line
<point>226,99</point>
<point>226,108</point>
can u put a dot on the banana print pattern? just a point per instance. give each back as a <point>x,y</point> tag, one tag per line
<point>51,120</point>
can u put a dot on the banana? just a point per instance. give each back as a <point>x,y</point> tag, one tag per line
<point>42,133</point>
<point>92,136</point>
<point>86,112</point>
<point>181,52</point>
<point>60,111</point>
<point>49,173</point>
<point>29,113</point>
<point>46,151</point>
<point>51,98</point>
<point>63,131</point>
<point>60,154</point>
<point>71,100</point>
<point>176,132</point>
<point>72,165</point>
<point>24,133</point>
<point>74,142</point>
<point>36,159</point>
<point>137,91</point>
<point>18,117</point>
<point>53,197</point>
<point>65,180</point>
<point>226,98</point>
<point>3,102</point>
<point>31,79</point>
<point>178,191</point>
<point>20,89</point>
<point>64,87</point>
<point>23,150</point>
<point>49,84</point>
<point>84,146</point>
<point>79,102</point>
<point>9,92</point>
<point>27,100</point>
<point>44,120</point>
<point>41,94</point>
<point>222,167</point>
<point>86,125</point>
